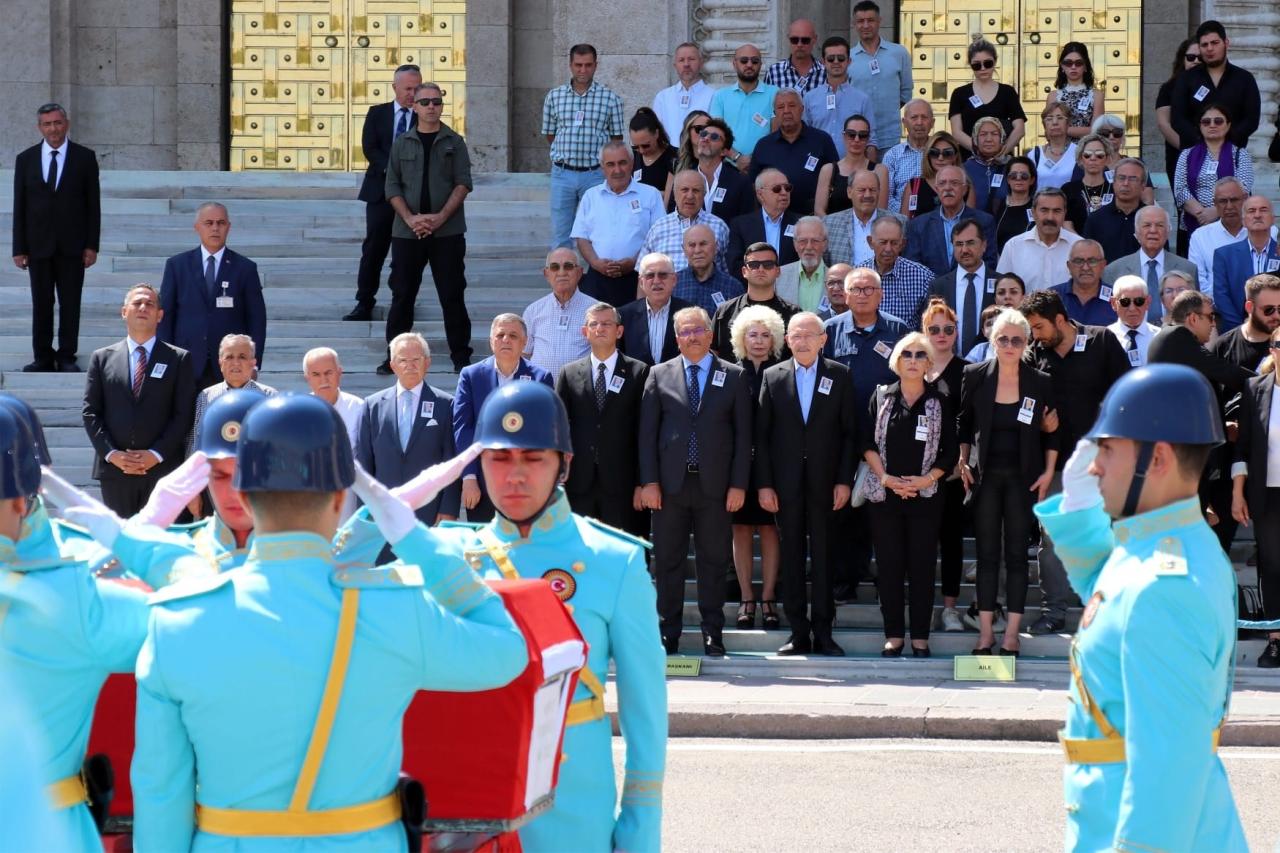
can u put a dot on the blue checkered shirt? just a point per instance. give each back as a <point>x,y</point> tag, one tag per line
<point>667,236</point>
<point>785,76</point>
<point>905,287</point>
<point>704,293</point>
<point>578,143</point>
<point>903,163</point>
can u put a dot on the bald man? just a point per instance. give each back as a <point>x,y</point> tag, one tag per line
<point>796,149</point>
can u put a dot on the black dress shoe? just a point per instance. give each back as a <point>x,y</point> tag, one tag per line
<point>827,647</point>
<point>1046,625</point>
<point>844,594</point>
<point>384,369</point>
<point>68,367</point>
<point>891,652</point>
<point>40,367</point>
<point>1007,653</point>
<point>796,646</point>
<point>672,646</point>
<point>1270,657</point>
<point>712,646</point>
<point>981,650</point>
<point>359,313</point>
<point>921,653</point>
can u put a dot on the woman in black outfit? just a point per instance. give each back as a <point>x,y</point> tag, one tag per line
<point>1187,57</point>
<point>654,156</point>
<point>1012,212</point>
<point>910,446</point>
<point>1093,188</point>
<point>1006,460</point>
<point>985,97</point>
<point>833,179</point>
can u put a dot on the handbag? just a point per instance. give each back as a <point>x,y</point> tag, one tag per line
<point>859,496</point>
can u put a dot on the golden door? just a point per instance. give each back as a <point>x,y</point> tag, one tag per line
<point>1028,35</point>
<point>305,72</point>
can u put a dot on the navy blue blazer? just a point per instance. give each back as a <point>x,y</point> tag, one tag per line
<point>1232,266</point>
<point>475,383</point>
<point>927,243</point>
<point>375,140</point>
<point>193,322</point>
<point>430,441</point>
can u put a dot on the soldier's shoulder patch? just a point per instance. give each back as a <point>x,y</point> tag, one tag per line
<point>390,576</point>
<point>616,533</point>
<point>1169,558</point>
<point>190,587</point>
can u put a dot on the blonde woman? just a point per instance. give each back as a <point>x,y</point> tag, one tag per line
<point>757,337</point>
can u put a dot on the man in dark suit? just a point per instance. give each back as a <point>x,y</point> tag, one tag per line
<point>382,124</point>
<point>408,427</point>
<point>507,339</point>
<point>977,279</point>
<point>695,462</point>
<point>805,461</point>
<point>1235,263</point>
<point>138,400</point>
<point>208,293</point>
<point>601,393</point>
<point>728,190</point>
<point>927,241</point>
<point>56,221</point>
<point>647,333</point>
<point>772,223</point>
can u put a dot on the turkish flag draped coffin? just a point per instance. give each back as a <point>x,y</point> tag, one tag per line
<point>488,758</point>
<point>112,735</point>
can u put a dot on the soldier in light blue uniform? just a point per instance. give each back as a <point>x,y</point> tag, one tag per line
<point>1152,663</point>
<point>243,741</point>
<point>600,575</point>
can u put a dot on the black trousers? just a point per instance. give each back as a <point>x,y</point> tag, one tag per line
<point>126,495</point>
<point>613,508</point>
<point>906,543</point>
<point>1266,529</point>
<point>850,547</point>
<point>379,216</point>
<point>409,257</point>
<point>1001,525</point>
<point>686,512</point>
<point>804,525</point>
<point>60,276</point>
<point>616,291</point>
<point>951,536</point>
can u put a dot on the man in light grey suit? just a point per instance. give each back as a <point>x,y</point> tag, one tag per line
<point>1151,261</point>
<point>801,282</point>
<point>848,230</point>
<point>408,427</point>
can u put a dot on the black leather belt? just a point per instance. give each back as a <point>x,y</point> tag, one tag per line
<point>575,168</point>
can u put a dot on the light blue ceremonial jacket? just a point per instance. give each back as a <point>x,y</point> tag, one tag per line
<point>600,575</point>
<point>233,668</point>
<point>1155,651</point>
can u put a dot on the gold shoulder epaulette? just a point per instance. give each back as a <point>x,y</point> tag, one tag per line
<point>621,534</point>
<point>1169,558</point>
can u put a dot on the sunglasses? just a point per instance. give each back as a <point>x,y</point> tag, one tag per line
<point>1019,176</point>
<point>1015,341</point>
<point>431,102</point>
<point>1086,262</point>
<point>1267,311</point>
<point>942,330</point>
<point>762,265</point>
<point>1073,63</point>
<point>748,60</point>
<point>1214,121</point>
<point>1190,57</point>
<point>567,266</point>
<point>801,40</point>
<point>982,64</point>
<point>857,134</point>
<point>697,129</point>
<point>942,152</point>
<point>1112,134</point>
<point>1138,301</point>
<point>713,135</point>
<point>778,189</point>
<point>839,58</point>
<point>1093,155</point>
<point>914,354</point>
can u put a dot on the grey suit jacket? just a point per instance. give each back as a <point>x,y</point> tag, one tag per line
<point>1136,264</point>
<point>430,441</point>
<point>840,234</point>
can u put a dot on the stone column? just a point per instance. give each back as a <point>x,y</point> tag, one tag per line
<point>34,69</point>
<point>1165,23</point>
<point>489,84</point>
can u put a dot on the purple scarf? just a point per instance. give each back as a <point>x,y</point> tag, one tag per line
<point>1195,162</point>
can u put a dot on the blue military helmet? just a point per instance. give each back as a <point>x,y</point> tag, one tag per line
<point>293,443</point>
<point>220,427</point>
<point>27,415</point>
<point>1161,402</point>
<point>523,415</point>
<point>19,465</point>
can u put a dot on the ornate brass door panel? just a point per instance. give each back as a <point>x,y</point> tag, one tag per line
<point>1028,35</point>
<point>305,72</point>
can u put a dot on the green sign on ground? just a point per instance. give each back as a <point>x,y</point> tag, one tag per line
<point>985,668</point>
<point>683,667</point>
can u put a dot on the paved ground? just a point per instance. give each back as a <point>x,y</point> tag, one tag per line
<point>896,795</point>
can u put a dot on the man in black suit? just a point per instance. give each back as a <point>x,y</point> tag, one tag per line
<point>139,397</point>
<point>208,293</point>
<point>382,124</point>
<point>772,224</point>
<point>601,393</point>
<point>729,192</point>
<point>978,282</point>
<point>695,462</point>
<point>647,333</point>
<point>805,461</point>
<point>56,221</point>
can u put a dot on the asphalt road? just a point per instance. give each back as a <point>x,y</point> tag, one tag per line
<point>897,795</point>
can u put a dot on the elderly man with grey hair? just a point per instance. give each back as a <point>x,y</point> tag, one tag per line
<point>802,282</point>
<point>667,234</point>
<point>407,428</point>
<point>796,149</point>
<point>1151,261</point>
<point>322,369</point>
<point>1130,299</point>
<point>773,223</point>
<point>554,322</point>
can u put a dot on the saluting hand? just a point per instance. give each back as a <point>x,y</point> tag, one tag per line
<point>423,488</point>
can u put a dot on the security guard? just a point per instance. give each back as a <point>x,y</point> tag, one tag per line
<point>1152,663</point>
<point>276,690</point>
<point>600,575</point>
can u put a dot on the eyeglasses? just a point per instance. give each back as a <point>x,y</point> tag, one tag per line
<point>834,282</point>
<point>1073,63</point>
<point>600,324</point>
<point>838,58</point>
<point>567,266</point>
<point>650,276</point>
<point>1111,134</point>
<point>868,290</point>
<point>982,64</point>
<point>748,60</point>
<point>801,39</point>
<point>942,330</point>
<point>697,129</point>
<point>713,135</point>
<point>431,102</point>
<point>1127,179</point>
<point>1019,176</point>
<point>1015,341</point>
<point>778,189</point>
<point>942,152</point>
<point>1228,200</point>
<point>762,265</point>
<point>857,134</point>
<point>692,333</point>
<point>1093,155</point>
<point>1125,301</point>
<point>1212,121</point>
<point>914,354</point>
<point>1190,57</point>
<point>1086,262</point>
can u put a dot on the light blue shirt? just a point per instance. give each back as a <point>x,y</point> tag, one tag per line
<point>806,379</point>
<point>828,110</point>
<point>948,225</point>
<point>747,113</point>
<point>772,231</point>
<point>704,368</point>
<point>889,87</point>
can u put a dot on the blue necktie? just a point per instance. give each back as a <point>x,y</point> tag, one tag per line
<point>406,419</point>
<point>210,274</point>
<point>402,123</point>
<point>695,400</point>
<point>1153,293</point>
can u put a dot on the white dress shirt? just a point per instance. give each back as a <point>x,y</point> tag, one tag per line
<point>962,291</point>
<point>859,231</point>
<point>1040,266</point>
<point>349,407</point>
<point>46,154</point>
<point>1146,331</point>
<point>609,363</point>
<point>659,328</point>
<point>217,260</point>
<point>674,103</point>
<point>617,223</point>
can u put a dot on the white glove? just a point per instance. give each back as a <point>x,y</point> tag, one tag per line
<point>79,507</point>
<point>422,489</point>
<point>393,516</point>
<point>1079,487</point>
<point>174,491</point>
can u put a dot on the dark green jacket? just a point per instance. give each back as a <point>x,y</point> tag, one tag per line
<point>450,166</point>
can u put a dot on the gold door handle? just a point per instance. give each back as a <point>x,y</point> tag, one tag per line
<point>1002,38</point>
<point>331,41</point>
<point>363,41</point>
<point>1034,38</point>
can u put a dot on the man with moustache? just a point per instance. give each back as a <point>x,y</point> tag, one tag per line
<point>647,332</point>
<point>1039,256</point>
<point>929,235</point>
<point>1085,294</point>
<point>849,231</point>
